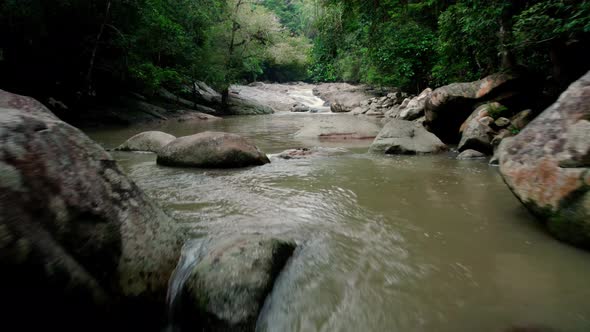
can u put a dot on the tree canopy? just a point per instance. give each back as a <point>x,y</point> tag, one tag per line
<point>90,48</point>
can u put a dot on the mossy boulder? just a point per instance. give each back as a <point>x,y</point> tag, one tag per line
<point>149,141</point>
<point>79,241</point>
<point>211,150</point>
<point>547,165</point>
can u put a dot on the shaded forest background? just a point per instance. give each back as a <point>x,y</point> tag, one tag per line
<point>86,49</point>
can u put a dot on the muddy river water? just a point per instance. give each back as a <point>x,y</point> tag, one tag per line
<point>399,243</point>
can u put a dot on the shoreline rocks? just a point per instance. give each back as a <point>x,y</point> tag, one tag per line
<point>547,165</point>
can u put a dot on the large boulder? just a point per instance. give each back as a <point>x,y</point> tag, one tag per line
<point>150,141</point>
<point>211,150</point>
<point>338,127</point>
<point>222,284</point>
<point>241,104</point>
<point>415,106</point>
<point>344,97</point>
<point>547,165</point>
<point>406,137</point>
<point>80,243</point>
<point>448,106</point>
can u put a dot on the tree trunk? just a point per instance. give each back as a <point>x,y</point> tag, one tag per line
<point>508,61</point>
<point>89,87</point>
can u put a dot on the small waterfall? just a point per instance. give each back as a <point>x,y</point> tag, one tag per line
<point>191,254</point>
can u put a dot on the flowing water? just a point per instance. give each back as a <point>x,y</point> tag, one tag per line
<point>399,243</point>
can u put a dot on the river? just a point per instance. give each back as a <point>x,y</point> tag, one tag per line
<point>400,243</point>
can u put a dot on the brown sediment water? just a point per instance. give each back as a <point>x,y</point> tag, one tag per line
<point>386,243</point>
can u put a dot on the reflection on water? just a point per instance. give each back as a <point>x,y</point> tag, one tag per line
<point>385,243</point>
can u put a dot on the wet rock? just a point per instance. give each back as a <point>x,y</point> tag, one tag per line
<point>77,237</point>
<point>339,108</point>
<point>476,131</point>
<point>344,95</point>
<point>521,119</point>
<point>301,153</point>
<point>547,167</point>
<point>495,160</point>
<point>338,127</point>
<point>470,154</point>
<point>299,107</point>
<point>241,104</point>
<point>211,150</point>
<point>415,106</point>
<point>448,106</point>
<point>205,94</point>
<point>151,141</point>
<point>502,122</point>
<point>502,134</point>
<point>226,287</point>
<point>406,137</point>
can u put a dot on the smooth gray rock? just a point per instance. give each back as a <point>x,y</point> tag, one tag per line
<point>406,137</point>
<point>150,141</point>
<point>229,280</point>
<point>211,150</point>
<point>470,154</point>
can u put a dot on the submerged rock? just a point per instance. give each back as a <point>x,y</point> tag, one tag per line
<point>151,141</point>
<point>301,153</point>
<point>338,127</point>
<point>79,241</point>
<point>547,165</point>
<point>470,154</point>
<point>211,150</point>
<point>406,137</point>
<point>230,278</point>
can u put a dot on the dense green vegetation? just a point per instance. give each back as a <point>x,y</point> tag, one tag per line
<point>91,48</point>
<point>99,47</point>
<point>414,44</point>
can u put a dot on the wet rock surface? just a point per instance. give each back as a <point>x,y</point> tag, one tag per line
<point>77,237</point>
<point>470,154</point>
<point>547,165</point>
<point>149,141</point>
<point>227,280</point>
<point>448,106</point>
<point>406,137</point>
<point>211,150</point>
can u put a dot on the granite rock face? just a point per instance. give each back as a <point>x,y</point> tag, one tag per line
<point>547,165</point>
